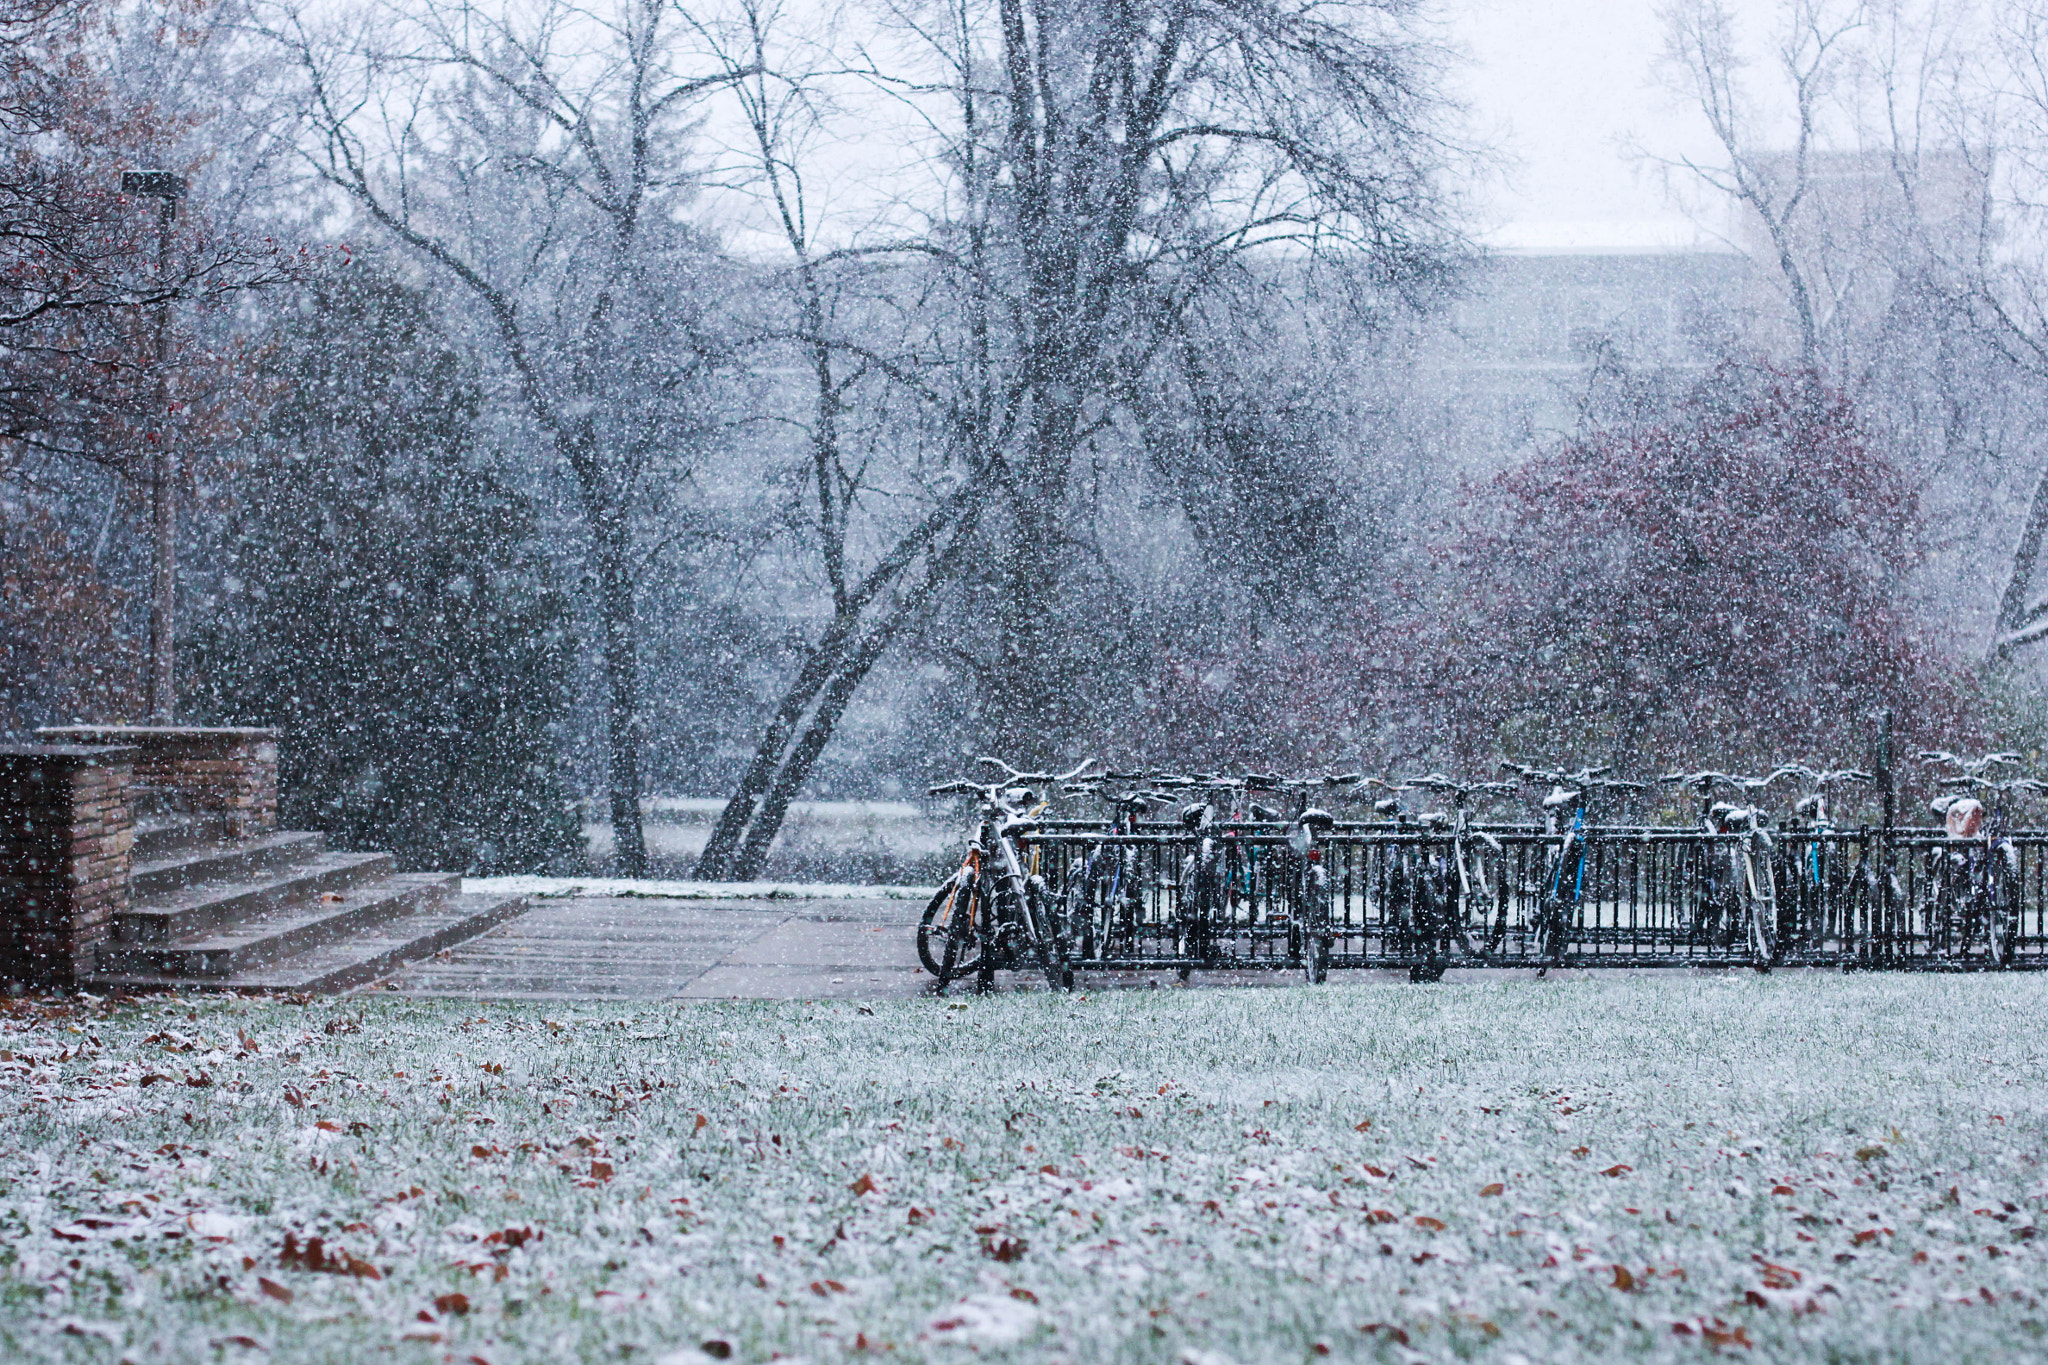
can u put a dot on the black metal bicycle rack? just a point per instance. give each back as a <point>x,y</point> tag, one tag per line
<point>1866,898</point>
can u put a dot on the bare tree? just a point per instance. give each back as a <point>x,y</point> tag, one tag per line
<point>536,156</point>
<point>1773,178</point>
<point>1106,167</point>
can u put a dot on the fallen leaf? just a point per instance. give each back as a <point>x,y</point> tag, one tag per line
<point>702,1124</point>
<point>1495,1188</point>
<point>457,1304</point>
<point>1623,1281</point>
<point>1433,1224</point>
<point>864,1185</point>
<point>1362,1126</point>
<point>274,1289</point>
<point>1617,1170</point>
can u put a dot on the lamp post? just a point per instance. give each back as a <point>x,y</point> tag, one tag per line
<point>167,187</point>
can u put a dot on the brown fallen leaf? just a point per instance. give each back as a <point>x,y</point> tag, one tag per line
<point>1623,1281</point>
<point>457,1304</point>
<point>826,1288</point>
<point>701,1125</point>
<point>1433,1224</point>
<point>273,1289</point>
<point>1379,1216</point>
<point>864,1185</point>
<point>1362,1126</point>
<point>600,1170</point>
<point>1486,1191</point>
<point>1617,1170</point>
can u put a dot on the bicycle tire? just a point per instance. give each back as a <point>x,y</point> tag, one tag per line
<point>2003,897</point>
<point>1760,889</point>
<point>954,925</point>
<point>1048,943</point>
<point>1312,916</point>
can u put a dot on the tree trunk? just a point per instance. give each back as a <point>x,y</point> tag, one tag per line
<point>622,696</point>
<point>2013,616</point>
<point>715,863</point>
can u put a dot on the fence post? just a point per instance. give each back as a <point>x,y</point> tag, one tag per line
<point>1884,836</point>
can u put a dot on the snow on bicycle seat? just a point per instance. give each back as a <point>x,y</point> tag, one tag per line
<point>1558,797</point>
<point>1317,818</point>
<point>1964,818</point>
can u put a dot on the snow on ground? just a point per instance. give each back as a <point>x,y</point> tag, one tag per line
<point>1693,1168</point>
<point>686,890</point>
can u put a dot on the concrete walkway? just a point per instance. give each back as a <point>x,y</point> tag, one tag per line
<point>620,948</point>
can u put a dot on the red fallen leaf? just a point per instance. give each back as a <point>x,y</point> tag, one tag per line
<point>1362,1126</point>
<point>457,1304</point>
<point>1379,1216</point>
<point>479,1151</point>
<point>864,1185</point>
<point>600,1170</point>
<point>1385,1329</point>
<point>1134,1113</point>
<point>1495,1188</point>
<point>1433,1224</point>
<point>513,1238</point>
<point>1617,1170</point>
<point>1317,1348</point>
<point>1778,1276</point>
<point>1374,1172</point>
<point>702,1124</point>
<point>1048,1170</point>
<point>153,1077</point>
<point>1581,1151</point>
<point>274,1289</point>
<point>825,1288</point>
<point>1005,1249</point>
<point>1024,1294</point>
<point>326,1127</point>
<point>362,1269</point>
<point>1623,1281</point>
<point>1783,1189</point>
<point>200,1081</point>
<point>248,1343</point>
<point>1863,1238</point>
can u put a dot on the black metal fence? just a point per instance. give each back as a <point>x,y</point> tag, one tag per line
<point>1639,897</point>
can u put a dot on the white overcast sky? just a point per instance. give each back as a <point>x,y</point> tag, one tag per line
<point>1565,85</point>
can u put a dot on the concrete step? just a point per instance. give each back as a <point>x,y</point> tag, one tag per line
<point>217,863</point>
<point>283,931</point>
<point>161,834</point>
<point>352,961</point>
<point>192,911</point>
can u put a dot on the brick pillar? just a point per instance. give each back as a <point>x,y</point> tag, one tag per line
<point>66,833</point>
<point>201,768</point>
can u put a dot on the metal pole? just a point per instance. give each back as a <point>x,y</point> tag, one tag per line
<point>1884,836</point>
<point>166,187</point>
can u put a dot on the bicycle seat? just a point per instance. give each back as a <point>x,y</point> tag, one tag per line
<point>1195,816</point>
<point>1316,818</point>
<point>1019,826</point>
<point>1260,812</point>
<point>1807,807</point>
<point>1559,798</point>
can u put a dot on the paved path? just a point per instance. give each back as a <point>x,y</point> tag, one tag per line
<point>636,948</point>
<point>605,948</point>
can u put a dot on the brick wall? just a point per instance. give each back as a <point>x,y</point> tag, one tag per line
<point>66,835</point>
<point>233,770</point>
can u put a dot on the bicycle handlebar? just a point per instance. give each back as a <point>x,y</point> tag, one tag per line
<point>1452,787</point>
<point>1825,777</point>
<point>1705,781</point>
<point>1971,767</point>
<point>1011,777</point>
<point>1584,777</point>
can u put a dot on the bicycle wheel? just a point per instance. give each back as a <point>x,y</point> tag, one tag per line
<point>1311,912</point>
<point>948,935</point>
<point>1760,890</point>
<point>1047,941</point>
<point>2003,899</point>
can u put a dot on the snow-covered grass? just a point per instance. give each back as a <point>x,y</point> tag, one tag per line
<point>1774,1168</point>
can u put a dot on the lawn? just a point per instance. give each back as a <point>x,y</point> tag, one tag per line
<point>1809,1167</point>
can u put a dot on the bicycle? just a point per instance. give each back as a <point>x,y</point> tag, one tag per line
<point>1221,875</point>
<point>1103,900</point>
<point>1830,894</point>
<point>1303,878</point>
<point>1974,881</point>
<point>1742,897</point>
<point>1446,891</point>
<point>992,912</point>
<point>1560,896</point>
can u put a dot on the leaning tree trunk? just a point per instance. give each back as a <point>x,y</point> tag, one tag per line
<point>2016,624</point>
